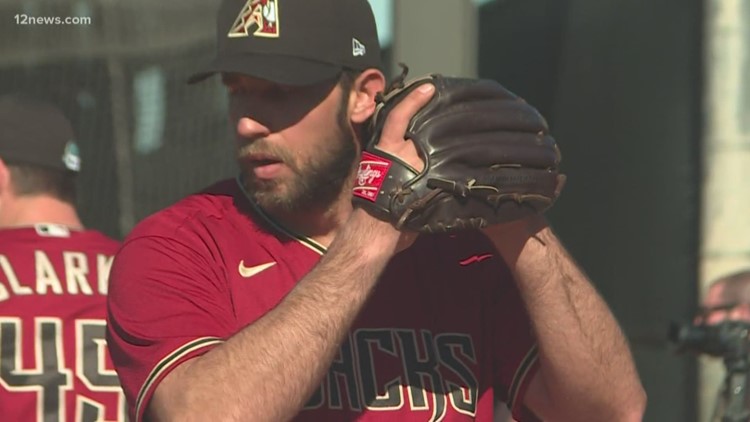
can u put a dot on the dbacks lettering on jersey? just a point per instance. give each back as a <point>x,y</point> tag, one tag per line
<point>435,371</point>
<point>77,278</point>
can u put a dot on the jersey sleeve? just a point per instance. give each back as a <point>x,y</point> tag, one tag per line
<point>514,345</point>
<point>167,304</point>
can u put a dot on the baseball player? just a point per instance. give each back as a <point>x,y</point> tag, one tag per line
<point>269,297</point>
<point>54,365</point>
<point>727,299</point>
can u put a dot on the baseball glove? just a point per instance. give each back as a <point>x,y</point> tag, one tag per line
<point>488,158</point>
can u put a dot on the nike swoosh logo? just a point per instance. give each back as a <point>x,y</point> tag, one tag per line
<point>248,272</point>
<point>475,258</point>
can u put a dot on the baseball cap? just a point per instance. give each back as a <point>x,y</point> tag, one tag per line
<point>294,42</point>
<point>36,133</point>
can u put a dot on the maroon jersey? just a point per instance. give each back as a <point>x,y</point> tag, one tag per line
<point>54,361</point>
<point>444,328</point>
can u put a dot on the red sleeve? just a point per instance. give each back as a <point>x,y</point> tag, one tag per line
<point>166,304</point>
<point>515,346</point>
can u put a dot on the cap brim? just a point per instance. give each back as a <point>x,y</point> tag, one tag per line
<point>280,69</point>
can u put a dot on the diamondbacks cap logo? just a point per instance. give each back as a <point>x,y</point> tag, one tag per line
<point>71,157</point>
<point>370,176</point>
<point>260,14</point>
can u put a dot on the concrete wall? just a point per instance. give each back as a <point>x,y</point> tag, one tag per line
<point>620,81</point>
<point>726,155</point>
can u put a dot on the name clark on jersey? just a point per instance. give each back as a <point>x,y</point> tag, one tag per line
<point>79,276</point>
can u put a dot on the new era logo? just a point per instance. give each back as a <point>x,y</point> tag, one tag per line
<point>358,49</point>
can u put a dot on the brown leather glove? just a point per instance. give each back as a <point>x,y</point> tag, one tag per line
<point>488,159</point>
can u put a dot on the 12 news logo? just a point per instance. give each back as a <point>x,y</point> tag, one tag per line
<point>24,19</point>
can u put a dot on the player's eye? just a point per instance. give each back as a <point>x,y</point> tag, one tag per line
<point>277,91</point>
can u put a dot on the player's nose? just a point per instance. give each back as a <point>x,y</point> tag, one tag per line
<point>251,129</point>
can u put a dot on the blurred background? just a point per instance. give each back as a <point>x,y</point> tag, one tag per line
<point>649,101</point>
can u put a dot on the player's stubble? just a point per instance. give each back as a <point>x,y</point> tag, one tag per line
<point>316,183</point>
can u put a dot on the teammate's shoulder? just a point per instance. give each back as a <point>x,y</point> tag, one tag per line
<point>102,239</point>
<point>17,238</point>
<point>52,236</point>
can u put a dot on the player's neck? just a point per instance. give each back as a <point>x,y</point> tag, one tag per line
<point>321,223</point>
<point>30,210</point>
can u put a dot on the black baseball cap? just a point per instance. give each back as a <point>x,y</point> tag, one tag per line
<point>294,42</point>
<point>36,133</point>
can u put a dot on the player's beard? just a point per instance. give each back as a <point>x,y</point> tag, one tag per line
<point>317,183</point>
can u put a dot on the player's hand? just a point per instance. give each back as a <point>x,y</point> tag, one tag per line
<point>392,141</point>
<point>392,138</point>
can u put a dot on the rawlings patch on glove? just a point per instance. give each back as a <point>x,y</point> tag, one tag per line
<point>488,158</point>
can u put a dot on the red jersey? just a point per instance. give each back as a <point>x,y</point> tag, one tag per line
<point>54,362</point>
<point>444,328</point>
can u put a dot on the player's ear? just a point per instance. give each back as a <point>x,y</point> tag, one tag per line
<point>364,90</point>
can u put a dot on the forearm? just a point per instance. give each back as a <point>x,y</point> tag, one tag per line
<point>585,363</point>
<point>268,370</point>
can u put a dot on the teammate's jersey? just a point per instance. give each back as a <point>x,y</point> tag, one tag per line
<point>53,356</point>
<point>444,327</point>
